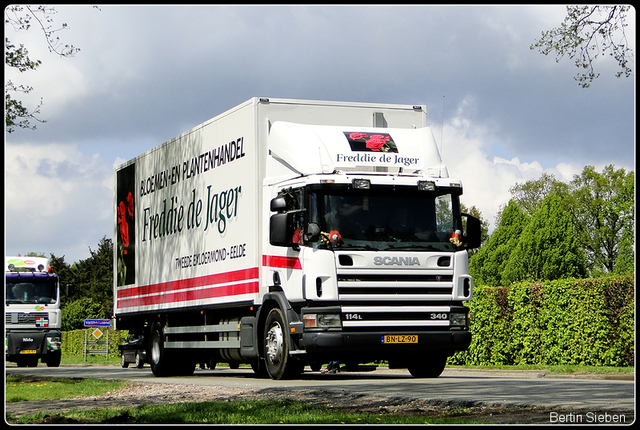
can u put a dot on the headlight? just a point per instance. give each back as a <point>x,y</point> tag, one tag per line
<point>459,320</point>
<point>321,320</point>
<point>426,185</point>
<point>361,184</point>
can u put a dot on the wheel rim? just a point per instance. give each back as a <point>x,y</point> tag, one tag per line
<point>275,343</point>
<point>155,349</point>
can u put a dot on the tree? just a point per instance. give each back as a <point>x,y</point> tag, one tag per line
<point>93,277</point>
<point>488,264</point>
<point>548,248</point>
<point>603,208</point>
<point>74,314</point>
<point>586,33</point>
<point>529,195</point>
<point>22,18</point>
<point>65,275</point>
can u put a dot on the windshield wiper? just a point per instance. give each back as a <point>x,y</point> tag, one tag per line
<point>410,247</point>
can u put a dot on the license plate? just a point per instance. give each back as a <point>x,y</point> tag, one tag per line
<point>28,351</point>
<point>400,338</point>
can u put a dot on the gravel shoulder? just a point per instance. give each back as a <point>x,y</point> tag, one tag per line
<point>138,393</point>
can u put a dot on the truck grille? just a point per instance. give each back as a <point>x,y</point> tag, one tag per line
<point>25,318</point>
<point>376,287</point>
<point>395,302</point>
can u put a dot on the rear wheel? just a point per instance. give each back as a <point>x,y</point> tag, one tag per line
<point>159,360</point>
<point>277,361</point>
<point>139,362</point>
<point>167,363</point>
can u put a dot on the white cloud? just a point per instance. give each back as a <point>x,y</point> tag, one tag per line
<point>487,178</point>
<point>148,73</point>
<point>57,200</point>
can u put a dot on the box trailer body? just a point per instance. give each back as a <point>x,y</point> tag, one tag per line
<point>273,234</point>
<point>32,311</point>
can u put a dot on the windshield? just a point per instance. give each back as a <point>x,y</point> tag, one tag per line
<point>387,218</point>
<point>31,291</point>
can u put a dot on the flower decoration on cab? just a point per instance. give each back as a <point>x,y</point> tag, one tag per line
<point>333,237</point>
<point>456,238</point>
<point>379,142</point>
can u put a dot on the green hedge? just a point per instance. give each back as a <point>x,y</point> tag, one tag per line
<point>570,321</point>
<point>73,341</point>
<point>584,321</point>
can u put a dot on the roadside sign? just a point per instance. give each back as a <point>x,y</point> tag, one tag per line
<point>97,323</point>
<point>96,333</point>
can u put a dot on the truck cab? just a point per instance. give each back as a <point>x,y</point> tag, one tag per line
<point>32,309</point>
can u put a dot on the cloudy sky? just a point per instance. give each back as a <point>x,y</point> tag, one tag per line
<point>503,113</point>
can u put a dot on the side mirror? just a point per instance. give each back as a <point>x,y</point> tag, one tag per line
<point>279,204</point>
<point>279,234</point>
<point>313,232</point>
<point>474,232</point>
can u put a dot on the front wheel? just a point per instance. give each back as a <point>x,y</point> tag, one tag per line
<point>123,361</point>
<point>431,367</point>
<point>54,359</point>
<point>277,361</point>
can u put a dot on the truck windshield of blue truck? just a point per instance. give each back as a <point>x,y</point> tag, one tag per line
<point>387,218</point>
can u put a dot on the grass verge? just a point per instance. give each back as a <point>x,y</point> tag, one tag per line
<point>21,388</point>
<point>269,411</point>
<point>567,369</point>
<point>284,411</point>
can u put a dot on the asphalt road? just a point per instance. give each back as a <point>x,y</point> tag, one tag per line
<point>492,387</point>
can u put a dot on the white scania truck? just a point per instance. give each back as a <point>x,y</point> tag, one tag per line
<point>286,233</point>
<point>32,311</point>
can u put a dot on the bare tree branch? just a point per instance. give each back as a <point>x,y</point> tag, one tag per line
<point>585,34</point>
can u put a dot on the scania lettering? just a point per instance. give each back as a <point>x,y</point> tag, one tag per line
<point>290,233</point>
<point>32,310</point>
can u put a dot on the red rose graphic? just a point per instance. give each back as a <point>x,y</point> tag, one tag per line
<point>356,136</point>
<point>377,141</point>
<point>124,226</point>
<point>130,205</point>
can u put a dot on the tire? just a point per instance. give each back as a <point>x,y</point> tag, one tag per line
<point>53,359</point>
<point>159,359</point>
<point>429,368</point>
<point>139,362</point>
<point>167,363</point>
<point>123,361</point>
<point>277,361</point>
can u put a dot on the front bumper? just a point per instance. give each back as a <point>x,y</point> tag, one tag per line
<point>370,345</point>
<point>32,343</point>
